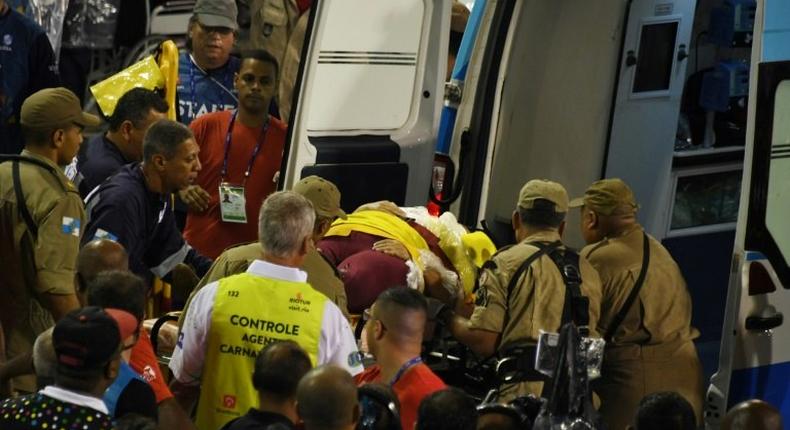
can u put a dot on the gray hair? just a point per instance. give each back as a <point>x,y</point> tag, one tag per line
<point>285,220</point>
<point>164,137</point>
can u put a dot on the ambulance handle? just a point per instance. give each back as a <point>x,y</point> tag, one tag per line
<point>757,323</point>
<point>682,54</point>
<point>630,59</point>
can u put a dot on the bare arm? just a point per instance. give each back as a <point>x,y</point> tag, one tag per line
<point>59,304</point>
<point>482,342</point>
<point>185,395</point>
<point>172,416</point>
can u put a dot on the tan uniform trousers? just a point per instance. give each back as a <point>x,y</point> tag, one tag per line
<point>631,372</point>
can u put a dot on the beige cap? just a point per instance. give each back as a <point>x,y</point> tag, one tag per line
<point>323,194</point>
<point>459,18</point>
<point>543,189</point>
<point>52,107</point>
<point>608,196</point>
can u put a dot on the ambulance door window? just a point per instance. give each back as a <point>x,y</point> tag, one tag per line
<point>656,57</point>
<point>767,228</point>
<point>778,193</point>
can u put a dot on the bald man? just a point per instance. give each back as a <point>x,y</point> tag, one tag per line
<point>326,399</point>
<point>394,334</point>
<point>98,256</point>
<point>752,415</point>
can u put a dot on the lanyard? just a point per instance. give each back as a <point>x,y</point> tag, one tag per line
<point>406,366</point>
<point>255,151</point>
<point>193,93</point>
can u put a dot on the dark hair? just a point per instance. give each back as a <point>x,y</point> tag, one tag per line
<point>448,409</point>
<point>665,411</point>
<point>134,106</point>
<point>38,136</point>
<point>118,289</point>
<point>542,214</point>
<point>164,137</point>
<point>403,297</point>
<point>261,55</point>
<point>279,367</point>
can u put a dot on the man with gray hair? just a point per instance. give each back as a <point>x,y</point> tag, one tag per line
<point>134,207</point>
<point>231,320</point>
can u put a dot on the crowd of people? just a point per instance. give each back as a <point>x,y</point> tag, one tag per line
<point>294,312</point>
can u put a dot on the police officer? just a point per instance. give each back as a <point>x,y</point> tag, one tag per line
<point>230,321</point>
<point>504,318</point>
<point>325,198</point>
<point>649,338</point>
<point>40,218</point>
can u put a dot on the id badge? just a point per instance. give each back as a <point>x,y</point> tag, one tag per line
<point>232,204</point>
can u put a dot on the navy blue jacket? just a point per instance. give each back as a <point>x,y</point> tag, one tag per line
<point>98,160</point>
<point>124,210</point>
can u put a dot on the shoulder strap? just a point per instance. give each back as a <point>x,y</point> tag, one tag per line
<point>542,249</point>
<point>629,302</point>
<point>576,307</point>
<point>20,200</point>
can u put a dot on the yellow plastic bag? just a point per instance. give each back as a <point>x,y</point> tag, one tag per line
<point>145,74</point>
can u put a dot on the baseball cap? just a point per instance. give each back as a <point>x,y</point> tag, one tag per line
<point>543,189</point>
<point>460,16</point>
<point>323,194</point>
<point>88,338</point>
<point>217,13</point>
<point>607,196</point>
<point>53,107</point>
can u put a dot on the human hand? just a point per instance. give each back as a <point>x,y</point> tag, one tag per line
<point>383,206</point>
<point>195,197</point>
<point>392,247</point>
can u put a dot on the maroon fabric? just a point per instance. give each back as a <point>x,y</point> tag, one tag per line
<point>367,274</point>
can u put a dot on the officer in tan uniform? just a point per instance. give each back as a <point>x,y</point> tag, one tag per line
<point>279,26</point>
<point>41,214</point>
<point>321,275</point>
<point>651,348</point>
<point>537,300</point>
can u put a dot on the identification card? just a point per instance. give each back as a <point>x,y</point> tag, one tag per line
<point>232,203</point>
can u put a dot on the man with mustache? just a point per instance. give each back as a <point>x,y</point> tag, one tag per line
<point>240,152</point>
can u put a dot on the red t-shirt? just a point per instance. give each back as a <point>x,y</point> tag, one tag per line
<point>416,383</point>
<point>206,231</point>
<point>143,361</point>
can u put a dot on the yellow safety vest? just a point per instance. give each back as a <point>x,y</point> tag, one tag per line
<point>250,312</point>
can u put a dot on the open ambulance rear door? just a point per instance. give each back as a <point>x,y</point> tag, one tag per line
<point>368,105</point>
<point>755,353</point>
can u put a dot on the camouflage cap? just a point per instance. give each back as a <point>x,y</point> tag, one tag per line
<point>607,197</point>
<point>543,189</point>
<point>52,107</point>
<point>323,194</point>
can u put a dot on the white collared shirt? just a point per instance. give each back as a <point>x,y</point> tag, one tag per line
<point>75,398</point>
<point>336,345</point>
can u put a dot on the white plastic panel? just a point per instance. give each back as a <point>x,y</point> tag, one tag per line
<point>778,204</point>
<point>357,57</point>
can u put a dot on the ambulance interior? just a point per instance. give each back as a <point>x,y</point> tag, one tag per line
<point>562,103</point>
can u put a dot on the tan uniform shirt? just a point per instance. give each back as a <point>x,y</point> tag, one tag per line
<point>279,28</point>
<point>652,349</point>
<point>536,302</point>
<point>35,265</point>
<point>662,311</point>
<point>320,274</point>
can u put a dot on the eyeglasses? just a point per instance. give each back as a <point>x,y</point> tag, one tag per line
<point>222,31</point>
<point>368,316</point>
